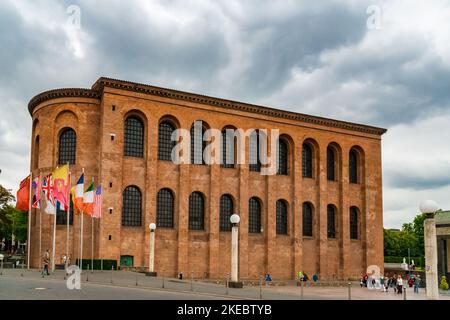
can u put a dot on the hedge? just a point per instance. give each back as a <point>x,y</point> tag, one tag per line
<point>107,264</point>
<point>418,261</point>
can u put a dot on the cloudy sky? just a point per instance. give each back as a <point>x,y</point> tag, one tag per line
<point>384,63</point>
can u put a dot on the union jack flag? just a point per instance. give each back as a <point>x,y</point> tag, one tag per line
<point>47,187</point>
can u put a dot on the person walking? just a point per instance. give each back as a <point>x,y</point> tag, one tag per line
<point>399,284</point>
<point>268,279</point>
<point>46,262</point>
<point>394,283</point>
<point>417,281</point>
<point>382,282</point>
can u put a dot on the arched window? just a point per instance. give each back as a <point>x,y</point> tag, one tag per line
<point>196,211</point>
<point>226,210</point>
<point>254,215</point>
<point>281,217</point>
<point>331,164</point>
<point>164,208</point>
<point>354,232</point>
<point>134,137</point>
<point>61,214</point>
<point>254,151</point>
<point>228,149</point>
<point>307,220</point>
<point>197,143</point>
<point>283,157</point>
<point>307,161</point>
<point>165,144</point>
<point>67,146</point>
<point>331,221</point>
<point>131,207</point>
<point>36,153</point>
<point>353,166</point>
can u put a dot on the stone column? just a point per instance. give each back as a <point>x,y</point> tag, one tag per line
<point>152,251</point>
<point>234,252</point>
<point>431,258</point>
<point>235,283</point>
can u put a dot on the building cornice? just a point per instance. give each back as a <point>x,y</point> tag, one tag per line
<point>98,87</point>
<point>62,93</point>
<point>234,105</point>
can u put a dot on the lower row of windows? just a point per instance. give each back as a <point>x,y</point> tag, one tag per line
<point>165,204</point>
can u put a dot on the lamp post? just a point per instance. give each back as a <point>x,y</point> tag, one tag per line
<point>235,283</point>
<point>429,208</point>
<point>151,265</point>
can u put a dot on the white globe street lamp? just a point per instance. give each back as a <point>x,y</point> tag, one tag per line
<point>151,265</point>
<point>235,283</point>
<point>429,208</point>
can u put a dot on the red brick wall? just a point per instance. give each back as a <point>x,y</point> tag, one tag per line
<point>208,251</point>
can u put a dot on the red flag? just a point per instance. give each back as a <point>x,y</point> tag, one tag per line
<point>23,195</point>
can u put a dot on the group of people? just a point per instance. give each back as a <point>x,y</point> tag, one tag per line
<point>304,277</point>
<point>396,282</point>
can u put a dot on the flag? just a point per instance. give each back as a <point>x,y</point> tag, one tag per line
<point>23,195</point>
<point>88,200</point>
<point>98,203</point>
<point>47,199</point>
<point>72,194</point>
<point>79,193</point>
<point>37,192</point>
<point>61,185</point>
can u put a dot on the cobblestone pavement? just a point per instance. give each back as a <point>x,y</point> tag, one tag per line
<point>29,284</point>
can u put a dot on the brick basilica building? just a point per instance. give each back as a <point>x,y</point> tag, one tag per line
<point>321,213</point>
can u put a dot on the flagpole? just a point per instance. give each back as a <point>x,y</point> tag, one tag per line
<point>81,253</point>
<point>92,236</point>
<point>40,224</point>
<point>40,239</point>
<point>68,218</point>
<point>29,223</point>
<point>54,242</point>
<point>81,237</point>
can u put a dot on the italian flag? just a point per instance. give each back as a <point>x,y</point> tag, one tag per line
<point>79,193</point>
<point>88,200</point>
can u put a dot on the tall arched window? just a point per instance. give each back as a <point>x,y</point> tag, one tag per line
<point>353,166</point>
<point>281,217</point>
<point>307,213</point>
<point>165,144</point>
<point>197,144</point>
<point>283,157</point>
<point>67,146</point>
<point>164,208</point>
<point>228,149</point>
<point>354,232</point>
<point>36,153</point>
<point>331,164</point>
<point>131,207</point>
<point>134,137</point>
<point>331,221</point>
<point>226,210</point>
<point>254,151</point>
<point>196,211</point>
<point>307,161</point>
<point>254,215</point>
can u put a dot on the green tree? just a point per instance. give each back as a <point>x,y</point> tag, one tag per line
<point>11,219</point>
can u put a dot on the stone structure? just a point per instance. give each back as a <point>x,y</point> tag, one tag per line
<point>97,115</point>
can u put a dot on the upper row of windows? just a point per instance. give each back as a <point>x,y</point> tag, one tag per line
<point>134,147</point>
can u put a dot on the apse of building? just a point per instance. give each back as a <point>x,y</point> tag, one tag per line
<point>321,213</point>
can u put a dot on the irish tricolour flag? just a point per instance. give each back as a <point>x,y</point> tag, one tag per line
<point>88,200</point>
<point>79,193</point>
